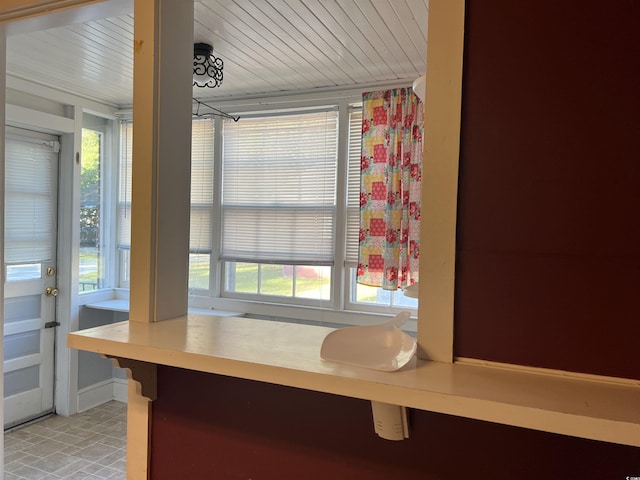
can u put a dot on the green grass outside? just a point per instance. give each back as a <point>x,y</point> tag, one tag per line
<point>89,256</point>
<point>274,281</point>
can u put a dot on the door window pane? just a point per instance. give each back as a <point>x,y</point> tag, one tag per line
<point>21,344</point>
<point>24,271</point>
<point>21,380</point>
<point>30,207</point>
<point>17,309</point>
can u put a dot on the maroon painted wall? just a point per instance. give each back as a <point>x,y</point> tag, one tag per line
<point>212,427</point>
<point>548,251</point>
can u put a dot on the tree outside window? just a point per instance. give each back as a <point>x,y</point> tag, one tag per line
<point>90,235</point>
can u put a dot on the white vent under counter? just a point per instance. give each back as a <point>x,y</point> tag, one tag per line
<point>122,305</point>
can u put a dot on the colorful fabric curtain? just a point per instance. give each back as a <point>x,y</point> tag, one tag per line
<point>390,185</point>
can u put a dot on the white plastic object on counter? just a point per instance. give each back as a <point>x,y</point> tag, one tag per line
<point>380,347</point>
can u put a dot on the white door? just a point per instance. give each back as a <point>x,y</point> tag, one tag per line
<point>31,174</point>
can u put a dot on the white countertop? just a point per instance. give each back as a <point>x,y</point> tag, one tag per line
<point>289,354</point>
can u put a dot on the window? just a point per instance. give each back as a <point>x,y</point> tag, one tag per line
<point>201,234</point>
<point>91,235</point>
<point>279,223</point>
<point>376,296</point>
<point>279,205</point>
<point>284,280</point>
<point>124,202</point>
<point>95,230</point>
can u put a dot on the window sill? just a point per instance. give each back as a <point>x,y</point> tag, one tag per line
<point>306,314</point>
<point>288,354</point>
<point>122,305</point>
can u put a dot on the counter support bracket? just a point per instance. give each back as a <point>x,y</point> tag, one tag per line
<point>142,374</point>
<point>142,391</point>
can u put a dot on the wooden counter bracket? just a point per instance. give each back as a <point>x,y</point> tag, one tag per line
<point>143,375</point>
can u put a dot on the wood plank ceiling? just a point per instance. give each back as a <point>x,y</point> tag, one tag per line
<point>268,47</point>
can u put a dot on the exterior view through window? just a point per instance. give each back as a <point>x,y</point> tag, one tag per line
<point>91,243</point>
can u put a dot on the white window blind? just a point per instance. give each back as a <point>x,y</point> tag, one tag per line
<point>202,140</point>
<point>279,188</point>
<point>124,187</point>
<point>30,200</point>
<point>353,187</point>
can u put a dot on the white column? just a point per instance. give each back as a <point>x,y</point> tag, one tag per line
<point>163,70</point>
<point>443,99</point>
<point>3,82</point>
<point>162,93</point>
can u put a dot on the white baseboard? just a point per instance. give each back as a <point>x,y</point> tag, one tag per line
<point>102,392</point>
<point>120,389</point>
<point>95,395</point>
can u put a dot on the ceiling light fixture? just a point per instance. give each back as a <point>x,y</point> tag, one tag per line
<point>419,86</point>
<point>207,69</point>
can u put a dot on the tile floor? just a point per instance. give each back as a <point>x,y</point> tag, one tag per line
<point>85,446</point>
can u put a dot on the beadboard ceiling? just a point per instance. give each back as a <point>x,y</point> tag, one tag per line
<point>268,46</point>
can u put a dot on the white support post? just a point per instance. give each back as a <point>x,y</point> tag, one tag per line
<point>3,78</point>
<point>443,99</point>
<point>142,390</point>
<point>162,99</point>
<point>161,184</point>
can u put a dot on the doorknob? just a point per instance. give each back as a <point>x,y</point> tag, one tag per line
<point>51,292</point>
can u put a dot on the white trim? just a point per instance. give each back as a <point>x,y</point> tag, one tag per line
<point>94,395</point>
<point>14,10</point>
<point>3,68</point>
<point>68,270</point>
<point>68,16</point>
<point>27,86</point>
<point>549,372</point>
<point>95,296</point>
<point>43,122</point>
<point>342,160</point>
<point>310,99</point>
<point>101,392</point>
<point>121,389</point>
<point>443,101</point>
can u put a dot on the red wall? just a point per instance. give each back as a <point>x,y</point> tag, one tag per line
<point>213,427</point>
<point>548,260</point>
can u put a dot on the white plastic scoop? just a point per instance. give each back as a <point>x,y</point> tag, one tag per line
<point>380,347</point>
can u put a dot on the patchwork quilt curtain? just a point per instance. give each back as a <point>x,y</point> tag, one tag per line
<point>390,188</point>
